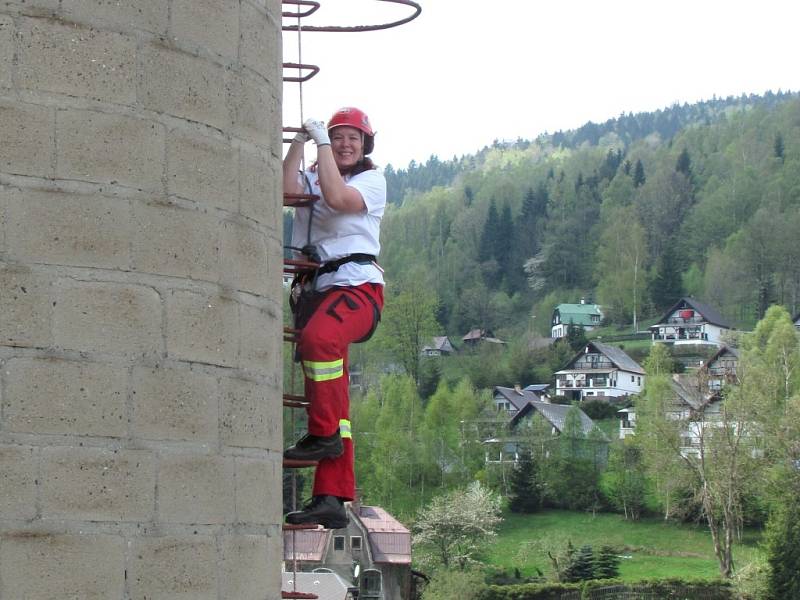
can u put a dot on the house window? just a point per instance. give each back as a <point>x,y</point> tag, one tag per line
<point>632,380</point>
<point>355,542</point>
<point>371,584</point>
<point>639,380</point>
<point>338,542</point>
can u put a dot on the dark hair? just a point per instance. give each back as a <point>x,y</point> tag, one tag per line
<point>365,164</point>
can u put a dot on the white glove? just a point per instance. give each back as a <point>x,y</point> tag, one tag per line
<point>301,136</point>
<point>317,131</point>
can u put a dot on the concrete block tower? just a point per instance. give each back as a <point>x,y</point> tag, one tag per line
<point>140,299</point>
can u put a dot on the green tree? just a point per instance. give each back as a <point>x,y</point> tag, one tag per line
<point>624,480</point>
<point>666,287</point>
<point>395,470</point>
<point>408,321</point>
<point>684,163</point>
<point>783,549</point>
<point>441,433</point>
<point>606,563</point>
<point>580,566</point>
<point>735,447</point>
<point>452,528</point>
<point>526,489</point>
<point>639,178</point>
<point>778,147</point>
<point>622,256</point>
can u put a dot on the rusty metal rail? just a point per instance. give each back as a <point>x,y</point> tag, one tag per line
<point>356,28</point>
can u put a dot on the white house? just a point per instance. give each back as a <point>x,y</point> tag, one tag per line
<point>585,315</point>
<point>690,322</point>
<point>600,371</point>
<point>694,403</point>
<point>797,321</point>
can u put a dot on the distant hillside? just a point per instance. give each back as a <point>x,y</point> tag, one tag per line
<point>623,130</point>
<point>699,199</point>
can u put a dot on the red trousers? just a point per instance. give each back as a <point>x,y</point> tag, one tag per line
<point>345,315</point>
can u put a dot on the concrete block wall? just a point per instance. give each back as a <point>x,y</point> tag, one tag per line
<point>140,299</point>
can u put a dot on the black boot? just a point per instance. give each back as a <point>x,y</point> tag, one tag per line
<point>314,447</point>
<point>327,511</point>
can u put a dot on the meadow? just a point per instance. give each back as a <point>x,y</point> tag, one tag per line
<point>650,548</point>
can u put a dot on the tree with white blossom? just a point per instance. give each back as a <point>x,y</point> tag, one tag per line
<point>453,527</point>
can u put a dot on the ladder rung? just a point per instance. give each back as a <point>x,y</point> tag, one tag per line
<point>293,463</point>
<point>297,595</point>
<point>295,401</point>
<point>295,265</point>
<point>300,14</point>
<point>313,70</point>
<point>299,200</point>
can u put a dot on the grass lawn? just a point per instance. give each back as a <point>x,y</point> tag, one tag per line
<point>651,548</point>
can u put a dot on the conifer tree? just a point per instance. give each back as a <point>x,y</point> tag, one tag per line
<point>606,563</point>
<point>580,566</point>
<point>638,174</point>
<point>525,495</point>
<point>778,147</point>
<point>684,163</point>
<point>666,287</point>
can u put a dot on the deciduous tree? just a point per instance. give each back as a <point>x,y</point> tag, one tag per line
<point>453,527</point>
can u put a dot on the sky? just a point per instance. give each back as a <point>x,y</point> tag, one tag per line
<point>467,72</point>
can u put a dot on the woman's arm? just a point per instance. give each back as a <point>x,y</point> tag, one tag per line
<point>291,166</point>
<point>338,195</point>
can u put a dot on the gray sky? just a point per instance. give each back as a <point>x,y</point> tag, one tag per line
<point>466,72</point>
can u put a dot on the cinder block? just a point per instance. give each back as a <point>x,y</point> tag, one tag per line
<point>202,169</point>
<point>247,571</point>
<point>25,311</point>
<point>202,329</point>
<point>251,415</point>
<point>173,404</point>
<point>212,25</point>
<point>6,50</point>
<point>38,8</point>
<point>195,489</point>
<point>260,352</point>
<point>53,396</point>
<point>37,566</point>
<point>68,229</point>
<point>76,61</point>
<point>171,240</point>
<point>175,568</point>
<point>110,148</point>
<point>259,47</point>
<point>244,260</point>
<point>28,143</point>
<point>95,484</point>
<point>108,317</point>
<point>259,497</point>
<point>182,85</point>
<point>147,15</point>
<point>261,197</point>
<point>253,107</point>
<point>18,482</point>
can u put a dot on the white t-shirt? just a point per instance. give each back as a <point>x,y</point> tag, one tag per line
<point>337,234</point>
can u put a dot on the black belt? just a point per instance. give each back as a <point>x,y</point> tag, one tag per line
<point>331,266</point>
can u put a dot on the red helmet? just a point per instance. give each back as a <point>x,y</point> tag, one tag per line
<point>353,117</point>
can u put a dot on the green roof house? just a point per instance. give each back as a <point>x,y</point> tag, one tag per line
<point>586,315</point>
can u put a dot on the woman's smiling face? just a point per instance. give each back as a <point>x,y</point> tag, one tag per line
<point>347,144</point>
